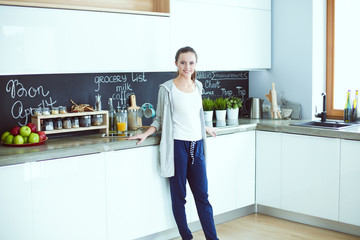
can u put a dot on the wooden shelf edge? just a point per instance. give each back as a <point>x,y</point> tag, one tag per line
<point>79,129</point>
<point>83,8</point>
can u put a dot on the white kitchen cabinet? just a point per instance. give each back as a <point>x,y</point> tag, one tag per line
<point>15,203</point>
<point>258,4</point>
<point>55,41</point>
<point>231,171</point>
<point>225,37</point>
<point>268,168</point>
<point>349,210</point>
<point>138,198</point>
<point>69,198</point>
<point>310,175</point>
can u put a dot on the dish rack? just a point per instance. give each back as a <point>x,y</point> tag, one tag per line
<point>104,128</point>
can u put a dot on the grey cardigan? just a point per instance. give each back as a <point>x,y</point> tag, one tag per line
<point>164,121</point>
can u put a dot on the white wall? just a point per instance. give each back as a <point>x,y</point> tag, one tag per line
<point>298,54</point>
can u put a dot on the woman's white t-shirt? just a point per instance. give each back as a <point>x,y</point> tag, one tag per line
<point>186,115</point>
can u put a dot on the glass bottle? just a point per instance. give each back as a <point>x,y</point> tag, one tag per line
<point>97,102</point>
<point>112,117</point>
<point>355,106</point>
<point>347,109</point>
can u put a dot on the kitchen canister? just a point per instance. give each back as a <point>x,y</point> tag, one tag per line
<point>256,107</point>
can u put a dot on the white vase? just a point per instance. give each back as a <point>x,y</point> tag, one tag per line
<point>208,116</point>
<point>220,115</point>
<point>232,113</point>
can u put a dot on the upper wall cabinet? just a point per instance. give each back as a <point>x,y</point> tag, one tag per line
<point>259,4</point>
<point>225,37</point>
<point>39,40</point>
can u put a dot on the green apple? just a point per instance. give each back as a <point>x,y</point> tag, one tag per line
<point>25,131</point>
<point>18,139</point>
<point>9,139</point>
<point>26,139</point>
<point>34,138</point>
<point>4,135</point>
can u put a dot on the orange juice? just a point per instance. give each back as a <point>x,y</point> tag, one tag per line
<point>121,126</point>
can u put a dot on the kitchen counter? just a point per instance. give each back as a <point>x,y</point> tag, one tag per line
<point>89,144</point>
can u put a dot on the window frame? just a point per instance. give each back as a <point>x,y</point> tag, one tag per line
<point>330,60</point>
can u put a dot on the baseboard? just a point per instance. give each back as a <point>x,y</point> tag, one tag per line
<point>309,220</point>
<point>195,226</point>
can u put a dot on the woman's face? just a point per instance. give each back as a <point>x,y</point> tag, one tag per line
<point>186,64</point>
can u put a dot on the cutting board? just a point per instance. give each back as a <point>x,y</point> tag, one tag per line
<point>134,106</point>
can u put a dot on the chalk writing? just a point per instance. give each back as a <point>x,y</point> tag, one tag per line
<point>17,89</point>
<point>138,77</point>
<point>109,79</point>
<point>212,84</point>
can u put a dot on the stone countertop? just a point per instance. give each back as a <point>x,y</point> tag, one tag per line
<point>95,143</point>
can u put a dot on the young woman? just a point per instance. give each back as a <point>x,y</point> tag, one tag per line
<point>180,118</point>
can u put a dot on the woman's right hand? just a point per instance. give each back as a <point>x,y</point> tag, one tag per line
<point>141,137</point>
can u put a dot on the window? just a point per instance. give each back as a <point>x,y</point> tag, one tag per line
<point>343,52</point>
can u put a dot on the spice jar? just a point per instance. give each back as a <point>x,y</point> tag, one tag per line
<point>66,123</point>
<point>132,119</point>
<point>45,111</point>
<point>36,111</point>
<point>48,125</point>
<point>97,120</point>
<point>54,110</point>
<point>62,110</point>
<point>58,124</point>
<point>74,122</point>
<point>85,121</point>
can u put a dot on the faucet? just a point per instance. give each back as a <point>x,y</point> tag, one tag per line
<point>322,115</point>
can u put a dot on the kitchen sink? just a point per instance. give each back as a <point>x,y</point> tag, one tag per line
<point>327,124</point>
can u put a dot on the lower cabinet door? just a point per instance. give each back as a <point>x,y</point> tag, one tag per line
<point>349,210</point>
<point>310,175</point>
<point>231,171</point>
<point>15,203</point>
<point>268,168</point>
<point>138,198</point>
<point>69,198</point>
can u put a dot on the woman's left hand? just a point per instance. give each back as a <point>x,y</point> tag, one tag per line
<point>211,131</point>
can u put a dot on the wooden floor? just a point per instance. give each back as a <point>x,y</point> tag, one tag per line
<point>262,227</point>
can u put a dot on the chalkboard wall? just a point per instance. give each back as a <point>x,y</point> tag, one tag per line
<point>20,93</point>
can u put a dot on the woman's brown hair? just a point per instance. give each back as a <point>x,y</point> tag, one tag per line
<point>186,50</point>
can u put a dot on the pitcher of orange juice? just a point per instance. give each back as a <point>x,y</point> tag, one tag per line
<point>121,121</point>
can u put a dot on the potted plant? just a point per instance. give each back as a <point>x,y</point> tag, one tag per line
<point>220,108</point>
<point>233,104</point>
<point>208,106</point>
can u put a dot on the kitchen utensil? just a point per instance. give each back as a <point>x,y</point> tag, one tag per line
<point>133,106</point>
<point>274,103</point>
<point>147,110</point>
<point>256,107</point>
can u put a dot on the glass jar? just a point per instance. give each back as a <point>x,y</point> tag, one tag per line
<point>75,122</point>
<point>45,111</point>
<point>48,125</point>
<point>54,110</point>
<point>62,110</point>
<point>85,121</point>
<point>66,123</point>
<point>58,124</point>
<point>132,119</point>
<point>97,120</point>
<point>36,111</point>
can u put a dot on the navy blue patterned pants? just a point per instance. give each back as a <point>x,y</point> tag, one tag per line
<point>190,164</point>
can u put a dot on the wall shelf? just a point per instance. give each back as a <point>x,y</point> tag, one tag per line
<point>103,128</point>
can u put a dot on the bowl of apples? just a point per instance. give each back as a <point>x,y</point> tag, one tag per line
<point>25,136</point>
